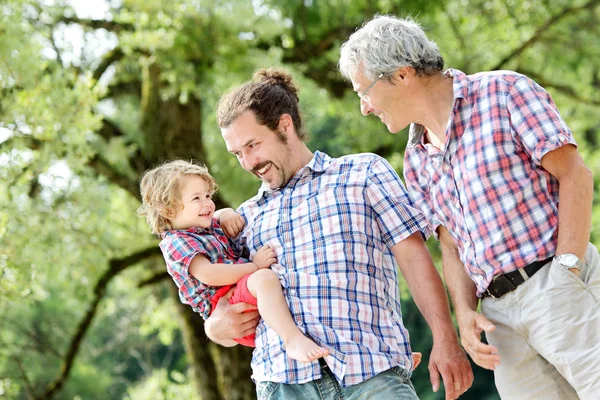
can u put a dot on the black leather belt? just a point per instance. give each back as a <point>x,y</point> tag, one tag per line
<point>506,283</point>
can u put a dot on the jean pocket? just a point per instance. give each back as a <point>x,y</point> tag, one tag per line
<point>264,390</point>
<point>402,374</point>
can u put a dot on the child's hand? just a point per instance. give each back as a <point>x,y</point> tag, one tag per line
<point>416,357</point>
<point>264,257</point>
<point>231,222</point>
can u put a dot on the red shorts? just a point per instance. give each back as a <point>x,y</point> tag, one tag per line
<point>241,294</point>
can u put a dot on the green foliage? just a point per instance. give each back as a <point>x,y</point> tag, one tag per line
<point>162,385</point>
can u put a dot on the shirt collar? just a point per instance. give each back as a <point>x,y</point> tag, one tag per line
<point>318,163</point>
<point>460,83</point>
<point>460,87</point>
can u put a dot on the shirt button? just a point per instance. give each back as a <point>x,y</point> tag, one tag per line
<point>298,322</point>
<point>292,292</point>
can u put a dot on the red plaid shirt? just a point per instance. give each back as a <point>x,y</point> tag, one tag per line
<point>180,247</point>
<point>486,185</point>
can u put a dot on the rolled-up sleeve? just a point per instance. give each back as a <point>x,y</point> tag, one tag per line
<point>535,119</point>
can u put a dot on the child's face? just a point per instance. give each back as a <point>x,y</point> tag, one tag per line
<point>198,207</point>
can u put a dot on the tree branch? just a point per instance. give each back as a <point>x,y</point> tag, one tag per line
<point>116,266</point>
<point>156,278</point>
<point>109,59</point>
<point>302,49</point>
<point>26,381</point>
<point>55,47</point>
<point>110,26</point>
<point>110,130</point>
<point>15,141</point>
<point>564,89</point>
<point>31,143</point>
<point>307,50</point>
<point>39,338</point>
<point>538,33</point>
<point>102,167</point>
<point>123,88</point>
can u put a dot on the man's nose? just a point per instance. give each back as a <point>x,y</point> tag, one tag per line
<point>365,107</point>
<point>249,162</point>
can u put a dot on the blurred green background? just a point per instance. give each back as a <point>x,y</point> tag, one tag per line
<point>93,92</point>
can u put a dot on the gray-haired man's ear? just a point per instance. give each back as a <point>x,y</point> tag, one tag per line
<point>402,73</point>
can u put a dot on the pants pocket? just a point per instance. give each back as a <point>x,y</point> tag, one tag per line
<point>264,390</point>
<point>590,273</point>
<point>564,272</point>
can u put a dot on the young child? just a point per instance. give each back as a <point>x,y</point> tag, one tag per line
<point>205,265</point>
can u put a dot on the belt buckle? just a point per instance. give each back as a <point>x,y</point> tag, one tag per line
<point>487,291</point>
<point>502,281</point>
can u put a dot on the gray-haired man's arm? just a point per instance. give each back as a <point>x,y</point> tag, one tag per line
<point>447,357</point>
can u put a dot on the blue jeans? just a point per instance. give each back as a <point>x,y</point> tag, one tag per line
<point>391,384</point>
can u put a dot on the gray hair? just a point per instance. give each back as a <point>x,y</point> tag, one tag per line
<point>387,43</point>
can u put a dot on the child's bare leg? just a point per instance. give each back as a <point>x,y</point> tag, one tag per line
<point>265,286</point>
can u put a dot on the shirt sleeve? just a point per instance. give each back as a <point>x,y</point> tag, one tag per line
<point>397,215</point>
<point>235,244</point>
<point>239,242</point>
<point>179,250</point>
<point>423,199</point>
<point>535,119</point>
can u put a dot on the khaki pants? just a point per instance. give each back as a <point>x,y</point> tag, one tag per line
<point>548,334</point>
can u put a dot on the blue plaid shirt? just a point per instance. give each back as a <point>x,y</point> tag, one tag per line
<point>333,226</point>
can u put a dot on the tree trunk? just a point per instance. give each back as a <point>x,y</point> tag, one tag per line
<point>174,130</point>
<point>171,129</point>
<point>197,348</point>
<point>219,373</point>
<point>233,364</point>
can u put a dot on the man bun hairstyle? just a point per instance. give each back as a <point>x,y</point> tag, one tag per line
<point>277,77</point>
<point>270,94</point>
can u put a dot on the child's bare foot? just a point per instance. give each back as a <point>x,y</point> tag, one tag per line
<point>416,359</point>
<point>303,349</point>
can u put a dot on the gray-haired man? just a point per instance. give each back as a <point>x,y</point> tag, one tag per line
<point>490,160</point>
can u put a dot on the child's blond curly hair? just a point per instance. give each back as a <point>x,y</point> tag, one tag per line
<point>161,191</point>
